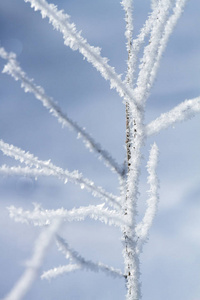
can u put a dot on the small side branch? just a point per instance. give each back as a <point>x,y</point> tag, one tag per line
<point>59,271</point>
<point>49,169</point>
<point>42,217</point>
<point>182,112</point>
<point>143,84</point>
<point>169,28</point>
<point>142,228</point>
<point>86,264</point>
<point>139,41</point>
<point>13,68</point>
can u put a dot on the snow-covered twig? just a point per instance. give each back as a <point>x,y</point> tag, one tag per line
<point>169,28</point>
<point>51,170</point>
<point>180,113</point>
<point>143,84</point>
<point>142,228</point>
<point>128,8</point>
<point>13,68</point>
<point>61,270</point>
<point>138,42</point>
<point>41,217</point>
<point>33,265</point>
<point>86,264</point>
<point>75,41</point>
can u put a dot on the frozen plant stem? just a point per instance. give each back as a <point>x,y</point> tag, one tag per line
<point>120,211</point>
<point>131,261</point>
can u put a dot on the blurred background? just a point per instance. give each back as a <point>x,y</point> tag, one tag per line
<point>170,263</point>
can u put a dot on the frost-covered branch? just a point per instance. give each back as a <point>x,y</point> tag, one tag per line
<point>142,228</point>
<point>41,217</point>
<point>182,112</point>
<point>160,25</point>
<point>75,41</point>
<point>169,28</point>
<point>128,8</point>
<point>33,265</point>
<point>143,84</point>
<point>61,270</point>
<point>139,41</point>
<point>52,170</point>
<point>13,68</point>
<point>85,264</point>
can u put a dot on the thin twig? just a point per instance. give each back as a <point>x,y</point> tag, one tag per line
<point>64,175</point>
<point>13,68</point>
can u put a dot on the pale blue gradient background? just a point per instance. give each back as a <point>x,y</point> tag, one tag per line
<point>170,264</point>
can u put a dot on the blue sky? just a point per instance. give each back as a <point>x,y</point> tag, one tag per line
<point>170,262</point>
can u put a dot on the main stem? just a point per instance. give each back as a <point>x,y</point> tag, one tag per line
<point>131,259</point>
<point>133,147</point>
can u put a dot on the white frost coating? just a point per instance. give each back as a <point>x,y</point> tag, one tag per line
<point>132,266</point>
<point>26,171</point>
<point>61,270</point>
<point>41,217</point>
<point>150,52</point>
<point>182,112</point>
<point>154,4</point>
<point>86,264</point>
<point>139,41</point>
<point>142,228</point>
<point>52,170</point>
<point>169,27</point>
<point>13,68</point>
<point>128,8</point>
<point>33,265</point>
<point>75,41</point>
